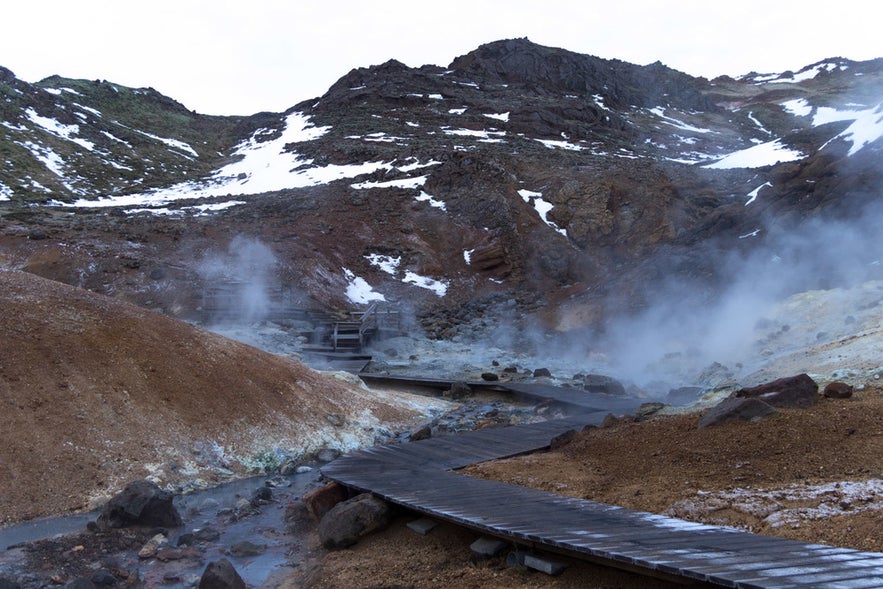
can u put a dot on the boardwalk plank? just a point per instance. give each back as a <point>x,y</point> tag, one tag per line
<point>418,476</point>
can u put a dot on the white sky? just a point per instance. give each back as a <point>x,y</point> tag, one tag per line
<point>244,56</point>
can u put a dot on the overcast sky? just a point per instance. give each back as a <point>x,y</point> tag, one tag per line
<point>241,57</point>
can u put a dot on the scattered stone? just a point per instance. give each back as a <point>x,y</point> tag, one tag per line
<point>277,482</point>
<point>490,376</point>
<point>648,409</point>
<point>186,539</point>
<point>511,370</point>
<point>459,390</point>
<point>207,534</point>
<point>423,526</point>
<point>261,496</point>
<point>335,419</point>
<point>791,391</point>
<point>289,467</point>
<point>422,433</point>
<point>320,501</point>
<point>544,565</point>
<point>247,548</point>
<point>486,546</point>
<point>220,574</point>
<point>540,372</point>
<point>598,383</point>
<point>37,234</point>
<point>303,469</point>
<point>327,454</point>
<point>352,519</point>
<point>141,503</point>
<point>562,439</point>
<point>837,390</point>
<point>153,545</point>
<point>103,578</point>
<point>736,408</point>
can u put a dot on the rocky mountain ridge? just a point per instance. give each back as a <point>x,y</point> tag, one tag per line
<point>561,182</point>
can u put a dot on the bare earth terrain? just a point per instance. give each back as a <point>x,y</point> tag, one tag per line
<point>807,474</point>
<point>95,393</point>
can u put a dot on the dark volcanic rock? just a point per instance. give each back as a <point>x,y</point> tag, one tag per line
<point>791,391</point>
<point>221,574</point>
<point>350,520</point>
<point>736,408</point>
<point>837,390</point>
<point>141,503</point>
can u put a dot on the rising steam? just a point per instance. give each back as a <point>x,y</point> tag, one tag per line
<point>239,281</point>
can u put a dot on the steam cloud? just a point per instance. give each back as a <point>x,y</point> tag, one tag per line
<point>686,327</point>
<point>687,324</point>
<point>242,278</point>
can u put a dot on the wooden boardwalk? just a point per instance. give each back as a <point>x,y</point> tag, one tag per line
<point>419,476</point>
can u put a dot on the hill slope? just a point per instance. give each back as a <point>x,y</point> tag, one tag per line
<point>96,392</point>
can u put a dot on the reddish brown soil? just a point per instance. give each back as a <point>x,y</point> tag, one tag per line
<point>95,392</point>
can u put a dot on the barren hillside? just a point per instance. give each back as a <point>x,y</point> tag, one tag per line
<point>95,392</point>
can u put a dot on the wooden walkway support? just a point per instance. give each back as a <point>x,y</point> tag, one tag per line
<point>419,476</point>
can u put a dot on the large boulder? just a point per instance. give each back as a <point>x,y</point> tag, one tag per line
<point>221,574</point>
<point>320,501</point>
<point>141,503</point>
<point>352,519</point>
<point>791,391</point>
<point>736,409</point>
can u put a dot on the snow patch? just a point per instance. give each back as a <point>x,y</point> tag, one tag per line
<point>67,132</point>
<point>542,208</point>
<point>558,144</point>
<point>660,112</point>
<point>439,287</point>
<point>358,291</point>
<point>752,196</point>
<point>758,156</point>
<point>866,127</point>
<point>389,264</point>
<point>433,202</point>
<point>503,116</point>
<point>398,183</point>
<point>5,192</point>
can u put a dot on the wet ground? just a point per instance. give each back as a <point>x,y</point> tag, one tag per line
<point>229,521</point>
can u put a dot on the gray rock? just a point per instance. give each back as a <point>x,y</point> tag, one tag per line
<point>598,383</point>
<point>350,520</point>
<point>327,454</point>
<point>141,503</point>
<point>421,433</point>
<point>221,574</point>
<point>736,409</point>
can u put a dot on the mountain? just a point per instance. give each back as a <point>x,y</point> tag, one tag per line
<point>521,179</point>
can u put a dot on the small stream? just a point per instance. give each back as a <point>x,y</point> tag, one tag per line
<point>259,544</point>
